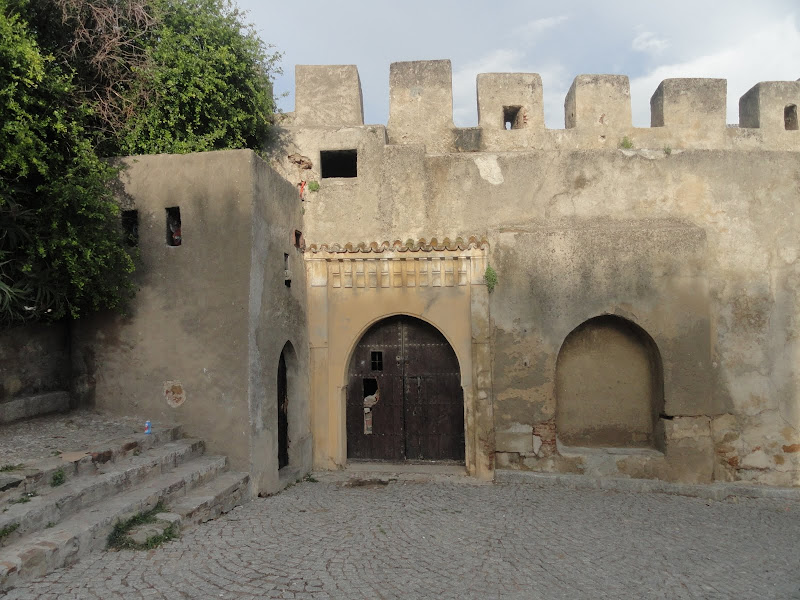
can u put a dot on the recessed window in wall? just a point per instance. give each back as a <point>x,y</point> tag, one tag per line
<point>790,117</point>
<point>512,117</point>
<point>287,274</point>
<point>130,227</point>
<point>174,236</point>
<point>338,163</point>
<point>298,238</point>
<point>376,360</point>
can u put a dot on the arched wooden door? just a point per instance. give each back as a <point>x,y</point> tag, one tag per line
<point>404,396</point>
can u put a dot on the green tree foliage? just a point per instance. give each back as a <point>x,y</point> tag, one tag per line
<point>60,251</point>
<point>206,84</point>
<point>83,79</point>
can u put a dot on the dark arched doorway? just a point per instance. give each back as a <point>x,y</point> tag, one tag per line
<point>283,413</point>
<point>404,396</point>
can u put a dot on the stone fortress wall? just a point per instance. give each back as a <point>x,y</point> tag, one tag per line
<point>645,319</point>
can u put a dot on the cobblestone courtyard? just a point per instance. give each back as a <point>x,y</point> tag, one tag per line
<point>459,539</point>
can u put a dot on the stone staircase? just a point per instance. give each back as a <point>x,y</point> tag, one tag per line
<point>55,511</point>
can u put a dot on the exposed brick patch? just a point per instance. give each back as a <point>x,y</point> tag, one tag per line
<point>546,430</point>
<point>792,448</point>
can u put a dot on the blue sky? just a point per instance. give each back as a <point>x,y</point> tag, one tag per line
<point>743,42</point>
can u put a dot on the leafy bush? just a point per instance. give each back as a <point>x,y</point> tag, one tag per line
<point>60,250</point>
<point>207,84</point>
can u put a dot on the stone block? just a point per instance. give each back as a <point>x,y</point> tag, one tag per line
<point>328,96</point>
<point>421,103</point>
<point>771,106</point>
<point>689,104</point>
<point>693,429</point>
<point>598,102</point>
<point>517,438</point>
<point>32,406</point>
<point>514,98</point>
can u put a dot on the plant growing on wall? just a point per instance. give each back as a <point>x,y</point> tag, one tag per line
<point>490,277</point>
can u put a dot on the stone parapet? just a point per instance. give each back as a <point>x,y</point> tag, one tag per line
<point>686,114</point>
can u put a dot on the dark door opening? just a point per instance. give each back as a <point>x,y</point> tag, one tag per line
<point>283,414</point>
<point>404,396</point>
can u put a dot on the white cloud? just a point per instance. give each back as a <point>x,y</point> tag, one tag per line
<point>647,41</point>
<point>533,29</point>
<point>770,53</point>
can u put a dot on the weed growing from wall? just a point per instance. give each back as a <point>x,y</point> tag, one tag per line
<point>490,277</point>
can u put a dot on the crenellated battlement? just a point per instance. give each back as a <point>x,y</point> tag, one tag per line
<point>685,113</point>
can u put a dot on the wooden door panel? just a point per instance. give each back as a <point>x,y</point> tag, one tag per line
<point>420,411</point>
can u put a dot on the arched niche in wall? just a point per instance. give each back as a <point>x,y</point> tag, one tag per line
<point>609,386</point>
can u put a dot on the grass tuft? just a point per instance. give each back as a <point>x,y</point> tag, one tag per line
<point>118,538</point>
<point>6,531</point>
<point>9,467</point>
<point>58,478</point>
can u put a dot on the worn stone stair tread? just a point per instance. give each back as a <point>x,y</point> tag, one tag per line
<point>194,507</point>
<point>56,503</point>
<point>88,530</point>
<point>37,474</point>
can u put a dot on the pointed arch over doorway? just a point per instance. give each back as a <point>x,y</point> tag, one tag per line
<point>404,396</point>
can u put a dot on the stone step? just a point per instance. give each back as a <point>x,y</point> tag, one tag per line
<point>88,530</point>
<point>33,406</point>
<point>39,474</point>
<point>54,504</point>
<point>209,501</point>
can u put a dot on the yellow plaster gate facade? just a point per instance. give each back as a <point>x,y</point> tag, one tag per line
<point>350,289</point>
<point>644,322</point>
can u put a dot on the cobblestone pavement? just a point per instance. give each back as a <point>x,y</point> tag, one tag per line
<point>47,436</point>
<point>448,539</point>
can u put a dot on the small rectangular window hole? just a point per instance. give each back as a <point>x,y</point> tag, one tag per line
<point>370,386</point>
<point>376,359</point>
<point>338,163</point>
<point>512,117</point>
<point>790,117</point>
<point>174,236</point>
<point>298,238</point>
<point>287,274</point>
<point>130,227</point>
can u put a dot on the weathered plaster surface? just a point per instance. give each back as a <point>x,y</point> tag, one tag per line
<point>211,315</point>
<point>690,233</point>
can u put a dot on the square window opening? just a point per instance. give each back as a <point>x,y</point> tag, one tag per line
<point>512,117</point>
<point>174,236</point>
<point>338,163</point>
<point>790,117</point>
<point>376,361</point>
<point>130,227</point>
<point>370,386</point>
